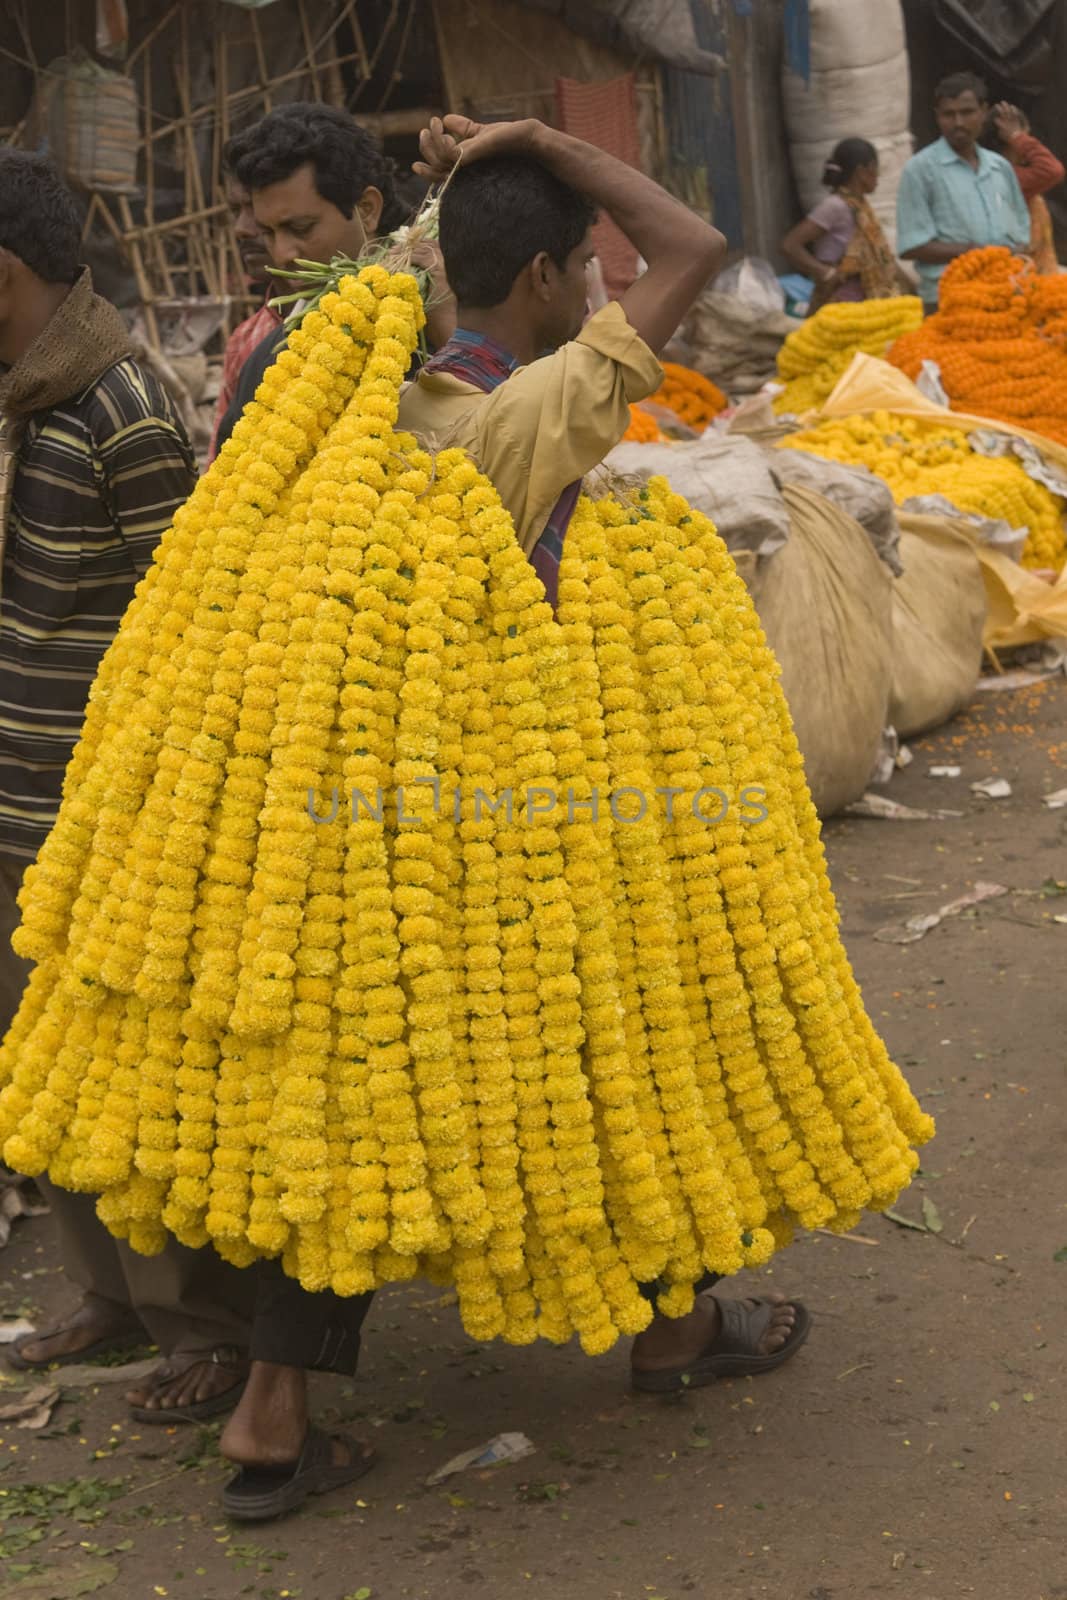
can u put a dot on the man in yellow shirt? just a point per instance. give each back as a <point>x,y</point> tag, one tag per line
<point>537,400</point>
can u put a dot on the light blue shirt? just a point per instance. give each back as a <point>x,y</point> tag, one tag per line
<point>941,196</point>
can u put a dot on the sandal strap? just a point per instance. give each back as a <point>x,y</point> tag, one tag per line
<point>744,1323</point>
<point>227,1357</point>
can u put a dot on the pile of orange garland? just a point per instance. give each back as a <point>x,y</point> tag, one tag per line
<point>691,397</point>
<point>1000,341</point>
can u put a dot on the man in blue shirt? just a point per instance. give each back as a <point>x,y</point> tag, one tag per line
<point>955,195</point>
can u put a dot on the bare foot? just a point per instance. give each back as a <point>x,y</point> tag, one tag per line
<point>271,1422</point>
<point>189,1380</point>
<point>95,1326</point>
<point>270,1425</point>
<point>670,1342</point>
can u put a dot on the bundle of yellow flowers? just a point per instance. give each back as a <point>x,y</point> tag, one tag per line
<point>917,458</point>
<point>815,356</point>
<point>394,927</point>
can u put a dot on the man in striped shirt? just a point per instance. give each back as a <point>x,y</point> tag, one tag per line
<point>93,465</point>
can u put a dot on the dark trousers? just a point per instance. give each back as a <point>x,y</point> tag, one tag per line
<point>321,1332</point>
<point>292,1328</point>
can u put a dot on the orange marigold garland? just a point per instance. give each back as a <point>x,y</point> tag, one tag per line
<point>643,429</point>
<point>692,397</point>
<point>999,338</point>
<point>687,394</point>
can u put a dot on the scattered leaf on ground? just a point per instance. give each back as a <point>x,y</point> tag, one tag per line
<point>32,1409</point>
<point>931,1216</point>
<point>904,1222</point>
<point>83,1576</point>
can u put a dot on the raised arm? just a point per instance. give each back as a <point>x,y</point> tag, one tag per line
<point>681,250</point>
<point>1036,168</point>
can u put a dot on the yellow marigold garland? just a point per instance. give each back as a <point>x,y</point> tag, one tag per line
<point>816,354</point>
<point>384,927</point>
<point>918,458</point>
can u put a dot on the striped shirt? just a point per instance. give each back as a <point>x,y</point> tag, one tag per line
<point>97,480</point>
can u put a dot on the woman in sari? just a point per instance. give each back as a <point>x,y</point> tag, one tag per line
<point>840,244</point>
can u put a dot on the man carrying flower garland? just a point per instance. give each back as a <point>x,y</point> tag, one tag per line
<point>538,401</point>
<point>93,465</point>
<point>319,187</point>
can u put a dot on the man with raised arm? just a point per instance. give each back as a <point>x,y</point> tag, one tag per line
<point>538,400</point>
<point>955,195</point>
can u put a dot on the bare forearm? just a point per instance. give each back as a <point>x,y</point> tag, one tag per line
<point>682,251</point>
<point>651,219</point>
<point>935,252</point>
<point>801,259</point>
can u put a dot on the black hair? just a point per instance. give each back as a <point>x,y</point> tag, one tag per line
<point>848,155</point>
<point>496,215</point>
<point>958,83</point>
<point>39,220</point>
<point>344,156</point>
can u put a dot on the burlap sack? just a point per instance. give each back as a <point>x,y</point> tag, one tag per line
<point>732,344</point>
<point>854,489</point>
<point>825,603</point>
<point>86,118</point>
<point>939,613</point>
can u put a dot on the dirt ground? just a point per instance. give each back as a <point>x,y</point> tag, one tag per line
<point>911,1449</point>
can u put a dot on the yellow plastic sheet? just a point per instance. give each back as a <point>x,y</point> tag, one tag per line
<point>1022,609</point>
<point>874,385</point>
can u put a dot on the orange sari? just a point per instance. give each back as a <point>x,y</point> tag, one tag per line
<point>1042,245</point>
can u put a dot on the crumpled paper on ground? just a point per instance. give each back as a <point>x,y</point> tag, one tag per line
<point>919,926</point>
<point>503,1448</point>
<point>19,1197</point>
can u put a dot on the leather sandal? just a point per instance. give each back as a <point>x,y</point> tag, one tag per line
<point>226,1357</point>
<point>258,1494</point>
<point>734,1352</point>
<point>127,1335</point>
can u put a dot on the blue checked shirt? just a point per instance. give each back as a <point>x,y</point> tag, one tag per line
<point>941,196</point>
